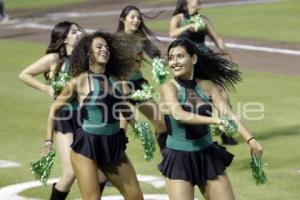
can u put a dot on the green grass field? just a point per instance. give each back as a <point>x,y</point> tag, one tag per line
<point>24,112</point>
<point>37,4</point>
<point>271,21</point>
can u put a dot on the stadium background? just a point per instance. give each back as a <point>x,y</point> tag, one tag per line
<point>269,60</point>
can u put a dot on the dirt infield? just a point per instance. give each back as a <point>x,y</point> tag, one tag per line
<point>264,61</point>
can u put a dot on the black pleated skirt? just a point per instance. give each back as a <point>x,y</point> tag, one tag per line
<point>195,167</point>
<point>66,122</point>
<point>104,149</point>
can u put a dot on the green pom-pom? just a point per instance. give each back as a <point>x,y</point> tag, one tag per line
<point>214,129</point>
<point>145,93</point>
<point>257,171</point>
<point>59,82</point>
<point>41,168</point>
<point>199,21</point>
<point>160,74</point>
<point>230,126</point>
<point>143,131</point>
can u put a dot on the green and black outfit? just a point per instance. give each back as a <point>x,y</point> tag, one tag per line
<point>135,82</point>
<point>100,138</point>
<point>191,154</point>
<point>197,37</point>
<point>66,119</point>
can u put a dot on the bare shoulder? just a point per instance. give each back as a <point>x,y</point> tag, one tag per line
<point>51,60</point>
<point>82,78</point>
<point>207,86</point>
<point>169,87</point>
<point>52,57</point>
<point>177,18</point>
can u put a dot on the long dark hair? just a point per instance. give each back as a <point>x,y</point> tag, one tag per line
<point>58,35</point>
<point>121,59</point>
<point>143,31</point>
<point>181,7</point>
<point>210,66</point>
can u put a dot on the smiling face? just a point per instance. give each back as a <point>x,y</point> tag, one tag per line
<point>195,4</point>
<point>73,36</point>
<point>132,22</point>
<point>100,51</point>
<point>181,63</point>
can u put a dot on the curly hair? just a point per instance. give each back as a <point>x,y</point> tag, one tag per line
<point>122,50</point>
<point>210,66</point>
<point>143,31</point>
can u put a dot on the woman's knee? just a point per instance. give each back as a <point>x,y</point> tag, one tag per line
<point>68,175</point>
<point>220,187</point>
<point>134,194</point>
<point>91,195</point>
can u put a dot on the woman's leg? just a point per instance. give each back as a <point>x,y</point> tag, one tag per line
<point>151,110</point>
<point>123,122</point>
<point>124,178</point>
<point>179,189</point>
<point>63,142</point>
<point>86,171</point>
<point>102,180</point>
<point>219,188</point>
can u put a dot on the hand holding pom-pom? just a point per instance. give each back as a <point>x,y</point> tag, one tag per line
<point>42,167</point>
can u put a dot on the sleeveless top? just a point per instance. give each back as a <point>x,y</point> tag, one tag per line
<point>66,66</point>
<point>136,75</point>
<point>73,103</point>
<point>197,37</point>
<point>190,137</point>
<point>101,107</point>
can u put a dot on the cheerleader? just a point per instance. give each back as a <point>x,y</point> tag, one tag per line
<point>55,67</point>
<point>131,23</point>
<point>191,158</point>
<point>100,143</point>
<point>182,26</point>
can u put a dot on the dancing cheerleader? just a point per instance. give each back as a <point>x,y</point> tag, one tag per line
<point>55,67</point>
<point>191,158</point>
<point>100,143</point>
<point>187,22</point>
<point>131,23</point>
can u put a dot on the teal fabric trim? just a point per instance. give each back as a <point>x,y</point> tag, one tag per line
<point>94,114</point>
<point>135,75</point>
<point>202,47</point>
<point>201,94</point>
<point>94,124</point>
<point>182,95</point>
<point>101,129</point>
<point>115,85</point>
<point>184,22</point>
<point>72,105</point>
<point>176,140</point>
<point>189,145</point>
<point>66,66</point>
